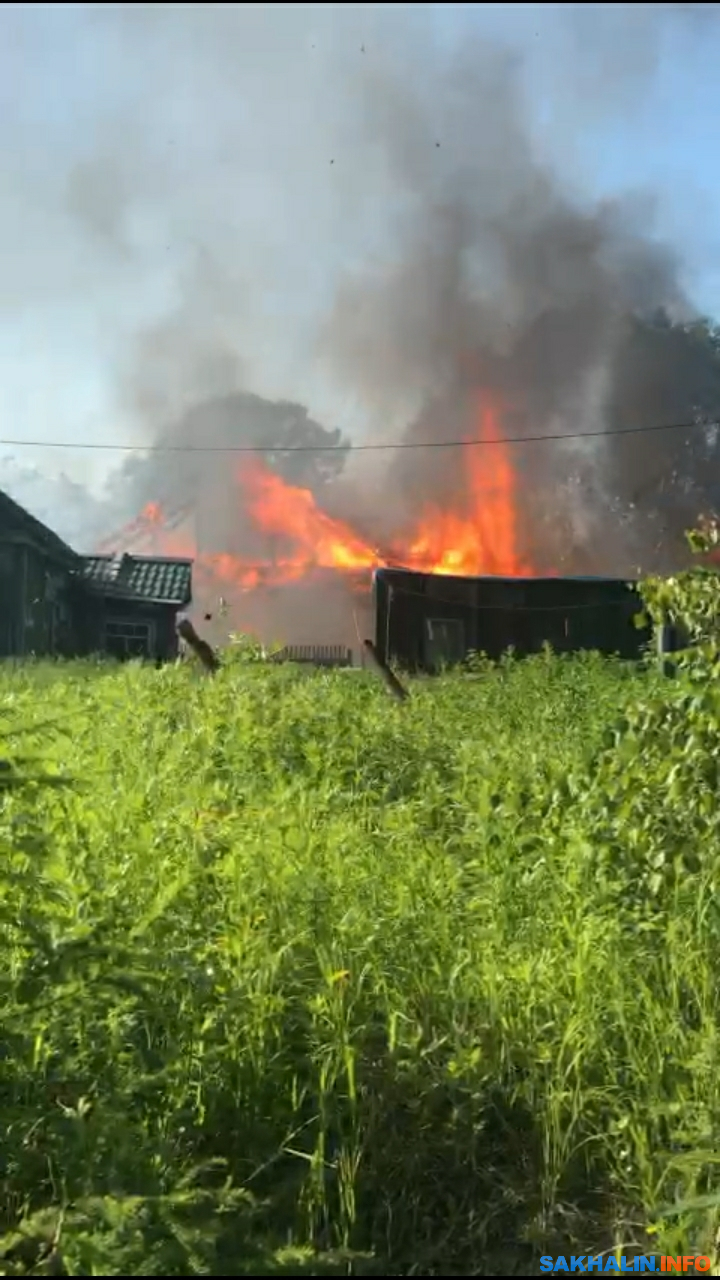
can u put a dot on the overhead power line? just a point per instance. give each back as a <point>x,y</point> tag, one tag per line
<point>349,448</point>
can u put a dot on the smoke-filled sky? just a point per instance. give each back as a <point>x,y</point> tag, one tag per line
<point>190,194</point>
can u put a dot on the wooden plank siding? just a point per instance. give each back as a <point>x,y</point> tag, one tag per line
<point>422,620</point>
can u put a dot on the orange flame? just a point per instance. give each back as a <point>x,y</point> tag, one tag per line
<point>321,541</point>
<point>484,539</point>
<point>478,538</point>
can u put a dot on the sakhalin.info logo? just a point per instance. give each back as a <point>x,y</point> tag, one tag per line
<point>687,1262</point>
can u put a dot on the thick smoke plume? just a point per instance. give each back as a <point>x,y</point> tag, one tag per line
<point>341,206</point>
<point>503,288</point>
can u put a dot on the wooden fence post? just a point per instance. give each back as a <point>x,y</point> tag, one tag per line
<point>390,680</point>
<point>200,647</point>
<point>665,641</point>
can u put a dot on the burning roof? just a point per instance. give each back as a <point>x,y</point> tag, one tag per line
<point>479,534</point>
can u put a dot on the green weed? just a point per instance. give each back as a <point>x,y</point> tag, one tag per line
<point>295,981</point>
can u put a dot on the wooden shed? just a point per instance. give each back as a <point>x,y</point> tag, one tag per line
<point>423,621</point>
<point>127,605</point>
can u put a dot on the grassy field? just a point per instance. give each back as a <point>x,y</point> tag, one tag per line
<point>297,981</point>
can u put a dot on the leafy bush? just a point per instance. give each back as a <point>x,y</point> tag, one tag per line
<point>690,599</point>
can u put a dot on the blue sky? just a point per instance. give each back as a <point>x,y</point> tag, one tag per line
<point>135,137</point>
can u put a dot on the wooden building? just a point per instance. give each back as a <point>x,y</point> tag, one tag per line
<point>56,602</point>
<point>37,574</point>
<point>423,621</point>
<point>127,606</point>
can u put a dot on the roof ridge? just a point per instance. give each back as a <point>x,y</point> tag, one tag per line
<point>133,555</point>
<point>46,536</point>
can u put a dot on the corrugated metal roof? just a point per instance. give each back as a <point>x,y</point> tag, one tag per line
<point>159,579</point>
<point>15,518</point>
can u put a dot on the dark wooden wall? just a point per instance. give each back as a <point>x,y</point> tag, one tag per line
<point>94,612</point>
<point>35,602</point>
<point>496,614</point>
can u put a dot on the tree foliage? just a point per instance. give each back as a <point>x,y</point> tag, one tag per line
<point>666,376</point>
<point>690,600</point>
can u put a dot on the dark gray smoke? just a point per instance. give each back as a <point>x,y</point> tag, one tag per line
<point>504,290</point>
<point>343,208</point>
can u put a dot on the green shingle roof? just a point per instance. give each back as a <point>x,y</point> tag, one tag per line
<point>159,579</point>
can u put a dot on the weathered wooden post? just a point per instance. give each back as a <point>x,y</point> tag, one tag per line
<point>666,639</point>
<point>390,680</point>
<point>200,647</point>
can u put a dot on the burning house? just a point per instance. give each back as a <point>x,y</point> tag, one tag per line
<point>306,569</point>
<point>459,579</point>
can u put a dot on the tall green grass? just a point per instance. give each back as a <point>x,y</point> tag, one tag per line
<point>297,981</point>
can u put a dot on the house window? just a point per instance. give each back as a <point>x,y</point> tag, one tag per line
<point>128,639</point>
<point>444,641</point>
